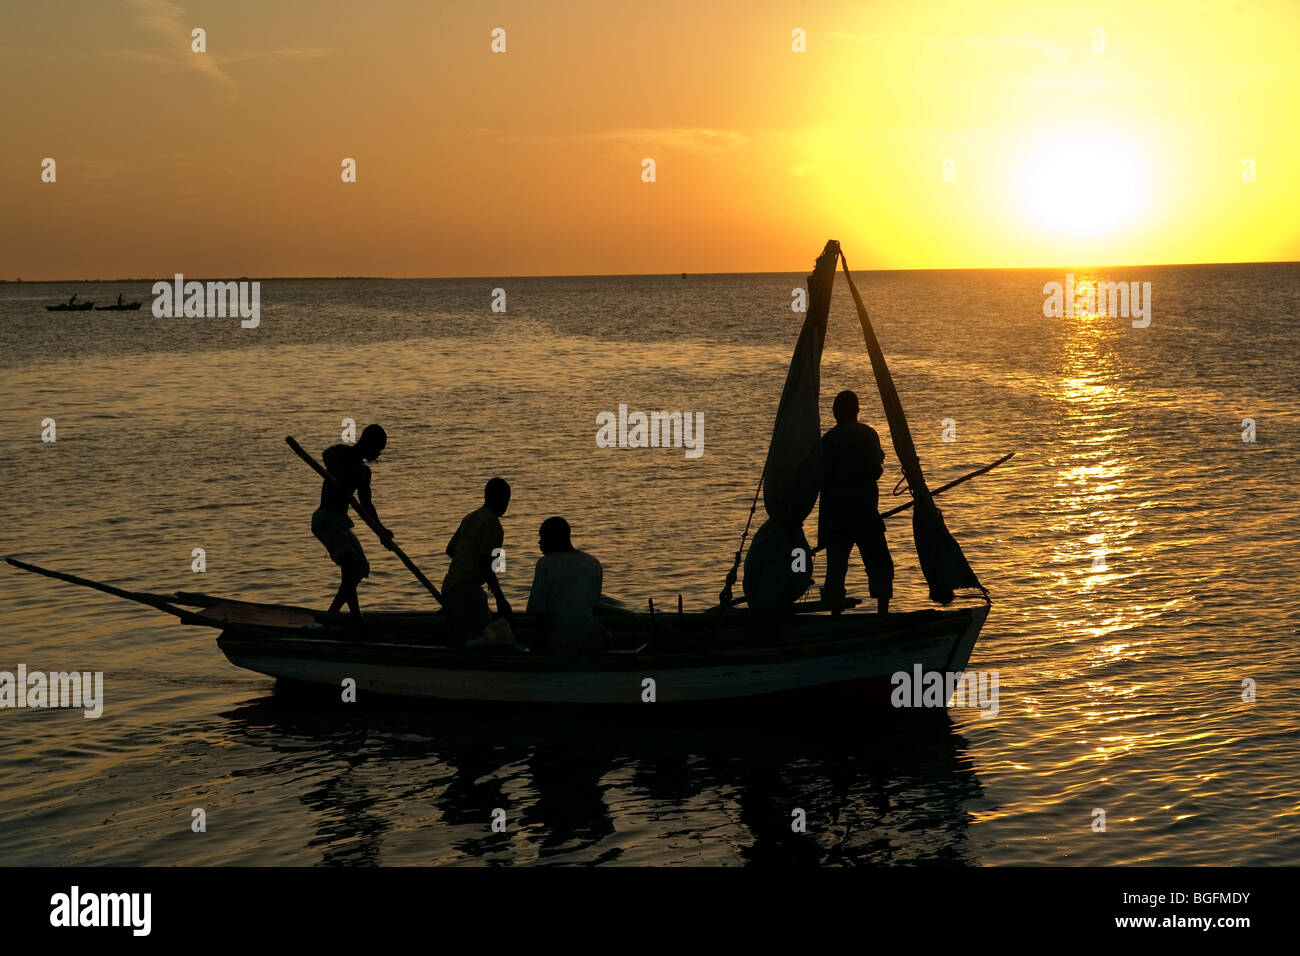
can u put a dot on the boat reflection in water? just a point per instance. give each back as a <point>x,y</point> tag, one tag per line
<point>392,783</point>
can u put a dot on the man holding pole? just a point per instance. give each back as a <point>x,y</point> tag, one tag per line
<point>330,522</point>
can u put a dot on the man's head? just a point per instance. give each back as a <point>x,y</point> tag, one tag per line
<point>372,441</point>
<point>496,495</point>
<point>554,535</point>
<point>846,406</point>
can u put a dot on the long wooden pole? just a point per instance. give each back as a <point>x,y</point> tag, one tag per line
<point>951,484</point>
<point>365,516</point>
<point>938,491</point>
<point>140,597</point>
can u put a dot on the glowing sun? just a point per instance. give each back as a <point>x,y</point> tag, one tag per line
<point>1081,185</point>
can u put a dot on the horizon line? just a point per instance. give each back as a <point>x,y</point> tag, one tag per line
<point>646,275</point>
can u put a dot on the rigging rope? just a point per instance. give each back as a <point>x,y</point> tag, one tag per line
<point>724,596</point>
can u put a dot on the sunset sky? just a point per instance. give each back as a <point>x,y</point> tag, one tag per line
<point>529,162</point>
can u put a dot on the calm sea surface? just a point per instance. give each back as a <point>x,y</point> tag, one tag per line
<point>1121,687</point>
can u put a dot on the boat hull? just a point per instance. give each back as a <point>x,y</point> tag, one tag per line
<point>854,665</point>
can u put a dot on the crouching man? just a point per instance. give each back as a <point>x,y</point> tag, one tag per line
<point>473,550</point>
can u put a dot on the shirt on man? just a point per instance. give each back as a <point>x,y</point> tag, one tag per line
<point>347,466</point>
<point>852,462</point>
<point>566,584</point>
<point>479,534</point>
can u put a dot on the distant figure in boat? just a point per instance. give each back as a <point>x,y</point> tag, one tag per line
<point>853,462</point>
<point>566,586</point>
<point>73,300</point>
<point>119,298</point>
<point>474,549</point>
<point>330,522</point>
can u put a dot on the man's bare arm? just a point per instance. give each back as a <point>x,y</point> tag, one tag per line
<point>368,507</point>
<point>494,585</point>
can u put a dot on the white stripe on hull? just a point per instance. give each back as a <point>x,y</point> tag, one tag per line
<point>681,683</point>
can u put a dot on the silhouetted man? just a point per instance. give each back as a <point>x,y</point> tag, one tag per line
<point>330,522</point>
<point>853,462</point>
<point>473,549</point>
<point>566,585</point>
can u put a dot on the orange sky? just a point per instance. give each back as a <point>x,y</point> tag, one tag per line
<point>529,162</point>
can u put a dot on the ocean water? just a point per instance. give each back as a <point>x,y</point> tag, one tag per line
<point>1141,556</point>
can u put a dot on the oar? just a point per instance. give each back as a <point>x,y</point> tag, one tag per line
<point>140,597</point>
<point>952,484</point>
<point>365,516</point>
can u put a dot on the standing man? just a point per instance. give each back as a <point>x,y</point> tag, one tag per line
<point>566,586</point>
<point>850,506</point>
<point>473,550</point>
<point>330,522</point>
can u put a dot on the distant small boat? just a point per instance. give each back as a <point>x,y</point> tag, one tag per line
<point>64,307</point>
<point>779,648</point>
<point>124,307</point>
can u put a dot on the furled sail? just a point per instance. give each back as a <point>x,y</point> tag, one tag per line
<point>792,477</point>
<point>942,562</point>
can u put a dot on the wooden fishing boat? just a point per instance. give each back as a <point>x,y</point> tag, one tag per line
<point>65,307</point>
<point>712,658</point>
<point>780,646</point>
<point>124,307</point>
<point>693,658</point>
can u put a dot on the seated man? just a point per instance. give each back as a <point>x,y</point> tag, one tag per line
<point>473,550</point>
<point>566,585</point>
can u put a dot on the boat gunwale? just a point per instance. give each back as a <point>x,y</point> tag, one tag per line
<point>255,641</point>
